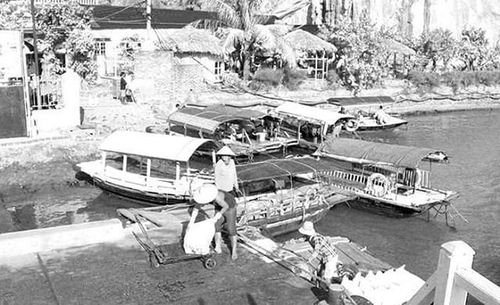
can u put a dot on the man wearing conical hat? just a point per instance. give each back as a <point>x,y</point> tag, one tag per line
<point>323,250</point>
<point>227,184</point>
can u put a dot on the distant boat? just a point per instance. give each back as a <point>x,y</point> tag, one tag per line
<point>369,123</point>
<point>311,125</point>
<point>246,132</point>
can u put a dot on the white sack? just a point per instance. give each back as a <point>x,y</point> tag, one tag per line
<point>199,236</point>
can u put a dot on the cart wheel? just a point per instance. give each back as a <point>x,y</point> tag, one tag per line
<point>153,261</point>
<point>210,263</point>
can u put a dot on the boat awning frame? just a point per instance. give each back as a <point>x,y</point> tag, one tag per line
<point>311,114</point>
<point>359,151</point>
<point>208,119</point>
<point>276,168</point>
<point>150,145</point>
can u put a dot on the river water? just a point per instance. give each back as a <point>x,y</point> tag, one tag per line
<point>471,138</point>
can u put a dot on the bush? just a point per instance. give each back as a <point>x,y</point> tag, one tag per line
<point>455,79</point>
<point>424,80</point>
<point>293,78</point>
<point>265,78</point>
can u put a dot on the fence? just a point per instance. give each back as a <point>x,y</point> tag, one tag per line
<point>45,94</point>
<point>454,279</point>
<point>83,2</point>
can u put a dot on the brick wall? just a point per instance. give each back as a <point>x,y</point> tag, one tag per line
<point>160,78</point>
<point>153,77</point>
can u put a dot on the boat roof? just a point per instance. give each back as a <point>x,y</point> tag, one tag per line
<point>275,168</point>
<point>311,114</point>
<point>358,100</point>
<point>210,118</point>
<point>360,151</point>
<point>151,145</point>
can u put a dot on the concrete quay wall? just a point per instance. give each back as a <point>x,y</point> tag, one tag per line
<point>61,237</point>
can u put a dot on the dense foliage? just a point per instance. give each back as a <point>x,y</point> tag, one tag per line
<point>365,58</point>
<point>66,27</point>
<point>362,58</point>
<point>265,78</point>
<point>63,32</point>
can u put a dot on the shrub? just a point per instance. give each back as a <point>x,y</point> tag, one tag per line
<point>269,76</point>
<point>293,78</point>
<point>424,80</point>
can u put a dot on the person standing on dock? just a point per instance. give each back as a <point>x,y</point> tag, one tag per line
<point>227,184</point>
<point>323,250</point>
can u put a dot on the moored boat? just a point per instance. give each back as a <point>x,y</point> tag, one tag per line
<point>385,175</point>
<point>278,196</point>
<point>246,132</point>
<point>311,125</point>
<point>153,168</point>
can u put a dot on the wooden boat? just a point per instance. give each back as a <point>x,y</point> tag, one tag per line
<point>365,120</point>
<point>311,125</point>
<point>366,280</point>
<point>149,167</point>
<point>385,175</point>
<point>279,195</point>
<point>368,123</point>
<point>237,128</point>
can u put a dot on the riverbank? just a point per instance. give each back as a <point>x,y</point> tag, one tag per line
<point>119,273</point>
<point>47,164</point>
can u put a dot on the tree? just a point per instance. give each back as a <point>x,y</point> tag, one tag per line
<point>14,15</point>
<point>66,27</point>
<point>362,59</point>
<point>241,16</point>
<point>61,28</point>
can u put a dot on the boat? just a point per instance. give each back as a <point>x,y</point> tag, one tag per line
<point>366,121</point>
<point>153,168</point>
<point>237,128</point>
<point>391,177</point>
<point>369,123</point>
<point>311,125</point>
<point>278,196</point>
<point>365,278</point>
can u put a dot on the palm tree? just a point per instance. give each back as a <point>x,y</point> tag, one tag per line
<point>241,16</point>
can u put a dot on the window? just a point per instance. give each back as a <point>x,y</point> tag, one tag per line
<point>100,47</point>
<point>218,70</point>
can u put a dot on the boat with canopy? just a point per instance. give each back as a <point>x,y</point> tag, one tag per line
<point>150,167</point>
<point>278,196</point>
<point>386,175</point>
<point>311,125</point>
<point>246,132</point>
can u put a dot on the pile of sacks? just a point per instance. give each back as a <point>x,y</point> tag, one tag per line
<point>394,286</point>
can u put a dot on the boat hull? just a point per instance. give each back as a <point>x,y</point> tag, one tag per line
<point>375,126</point>
<point>148,198</point>
<point>392,210</point>
<point>285,224</point>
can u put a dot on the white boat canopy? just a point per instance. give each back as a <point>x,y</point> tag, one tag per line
<point>311,114</point>
<point>151,145</point>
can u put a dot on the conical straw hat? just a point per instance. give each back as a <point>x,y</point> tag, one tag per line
<point>225,151</point>
<point>205,193</point>
<point>307,228</point>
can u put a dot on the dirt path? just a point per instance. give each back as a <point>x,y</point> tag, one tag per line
<point>113,274</point>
